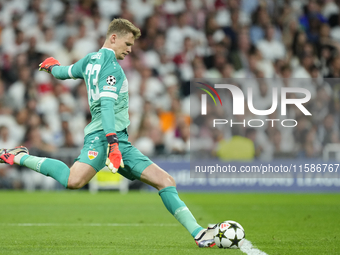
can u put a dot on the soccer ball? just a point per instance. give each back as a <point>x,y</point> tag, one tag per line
<point>229,234</point>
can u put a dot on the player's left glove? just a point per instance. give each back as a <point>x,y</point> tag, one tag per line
<point>114,156</point>
<point>48,64</point>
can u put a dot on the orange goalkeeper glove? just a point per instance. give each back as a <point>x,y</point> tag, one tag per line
<point>114,156</point>
<point>48,64</point>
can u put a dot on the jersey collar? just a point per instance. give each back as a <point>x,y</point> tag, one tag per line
<point>109,49</point>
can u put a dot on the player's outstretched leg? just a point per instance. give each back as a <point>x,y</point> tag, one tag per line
<point>46,166</point>
<point>161,180</point>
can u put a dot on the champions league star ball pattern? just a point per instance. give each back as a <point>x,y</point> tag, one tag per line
<point>229,234</point>
<point>111,80</point>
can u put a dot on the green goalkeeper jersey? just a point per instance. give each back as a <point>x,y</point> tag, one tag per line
<point>107,89</point>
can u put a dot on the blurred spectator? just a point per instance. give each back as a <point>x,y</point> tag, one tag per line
<point>334,69</point>
<point>260,19</point>
<point>22,89</point>
<point>174,7</point>
<point>68,26</point>
<point>33,56</point>
<point>299,41</point>
<point>19,45</point>
<point>320,107</point>
<point>335,26</point>
<point>84,44</point>
<point>34,142</point>
<point>239,57</point>
<point>251,134</point>
<point>176,34</point>
<point>48,45</point>
<point>306,62</point>
<point>5,101</point>
<point>8,32</point>
<point>5,140</point>
<point>141,9</point>
<point>279,144</point>
<point>67,53</point>
<point>180,136</point>
<point>233,30</point>
<point>270,48</point>
<point>328,131</point>
<point>148,123</point>
<point>312,19</point>
<point>310,146</point>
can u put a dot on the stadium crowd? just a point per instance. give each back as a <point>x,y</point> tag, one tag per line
<point>181,39</point>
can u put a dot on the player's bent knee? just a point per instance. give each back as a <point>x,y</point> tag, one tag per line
<point>166,182</point>
<point>75,183</point>
<point>157,177</point>
<point>172,181</point>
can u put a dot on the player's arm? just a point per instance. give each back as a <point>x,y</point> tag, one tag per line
<point>114,157</point>
<point>52,66</point>
<point>107,101</point>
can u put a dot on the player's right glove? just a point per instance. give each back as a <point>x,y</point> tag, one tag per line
<point>114,156</point>
<point>48,64</point>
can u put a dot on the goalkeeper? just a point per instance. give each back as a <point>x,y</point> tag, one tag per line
<point>106,138</point>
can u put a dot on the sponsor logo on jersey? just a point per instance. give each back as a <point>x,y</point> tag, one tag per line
<point>98,55</point>
<point>92,154</point>
<point>111,88</point>
<point>111,80</point>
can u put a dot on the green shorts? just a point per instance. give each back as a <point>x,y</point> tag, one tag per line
<point>94,153</point>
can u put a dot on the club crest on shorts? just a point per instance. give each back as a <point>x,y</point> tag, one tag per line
<point>111,80</point>
<point>92,154</point>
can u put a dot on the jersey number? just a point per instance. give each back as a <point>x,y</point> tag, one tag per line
<point>92,71</point>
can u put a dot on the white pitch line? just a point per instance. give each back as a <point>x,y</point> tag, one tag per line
<point>87,225</point>
<point>249,249</point>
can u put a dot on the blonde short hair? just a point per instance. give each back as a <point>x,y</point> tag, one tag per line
<point>123,27</point>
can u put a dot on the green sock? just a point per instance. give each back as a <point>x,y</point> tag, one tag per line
<point>49,167</point>
<point>179,210</point>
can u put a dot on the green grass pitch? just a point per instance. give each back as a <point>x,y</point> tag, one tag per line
<point>74,222</point>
